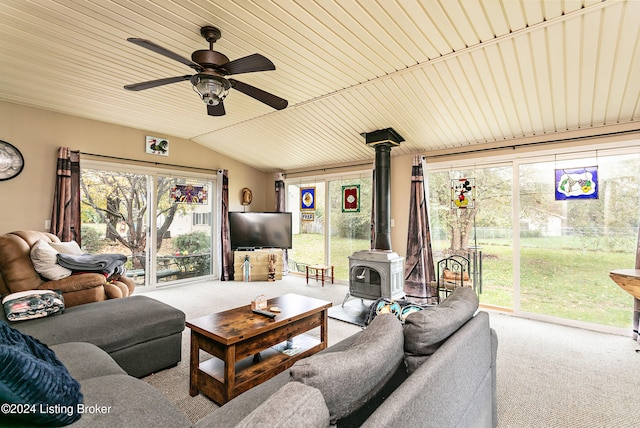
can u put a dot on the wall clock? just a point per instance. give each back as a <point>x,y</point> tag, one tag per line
<point>11,161</point>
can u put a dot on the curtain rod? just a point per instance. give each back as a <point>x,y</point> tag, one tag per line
<point>289,174</point>
<point>487,149</point>
<point>150,162</point>
<point>535,143</point>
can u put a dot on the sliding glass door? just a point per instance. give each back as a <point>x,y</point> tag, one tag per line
<point>568,246</point>
<point>350,220</point>
<point>550,229</point>
<point>331,220</point>
<point>478,227</point>
<point>120,208</point>
<point>306,202</point>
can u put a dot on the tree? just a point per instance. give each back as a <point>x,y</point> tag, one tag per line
<point>120,199</point>
<point>491,209</point>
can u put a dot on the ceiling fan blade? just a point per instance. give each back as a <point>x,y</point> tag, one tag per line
<point>217,110</point>
<point>153,83</point>
<point>166,52</point>
<point>248,64</point>
<point>260,95</point>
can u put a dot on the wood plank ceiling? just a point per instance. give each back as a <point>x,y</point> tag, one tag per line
<point>448,75</point>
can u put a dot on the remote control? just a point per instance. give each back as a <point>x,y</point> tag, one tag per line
<point>265,313</point>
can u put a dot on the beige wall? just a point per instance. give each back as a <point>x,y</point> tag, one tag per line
<point>27,199</point>
<point>400,197</point>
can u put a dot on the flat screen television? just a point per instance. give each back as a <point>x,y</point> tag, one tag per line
<point>251,230</point>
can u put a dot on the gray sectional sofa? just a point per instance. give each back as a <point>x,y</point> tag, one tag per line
<point>436,370</point>
<point>451,381</point>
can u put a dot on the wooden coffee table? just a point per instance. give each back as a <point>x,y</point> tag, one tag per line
<point>248,348</point>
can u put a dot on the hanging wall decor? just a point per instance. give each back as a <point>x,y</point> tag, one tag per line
<point>189,194</point>
<point>157,146</point>
<point>307,198</point>
<point>577,183</point>
<point>351,199</point>
<point>463,193</point>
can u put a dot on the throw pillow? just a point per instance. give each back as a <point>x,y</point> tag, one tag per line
<point>45,262</point>
<point>349,378</point>
<point>35,386</point>
<point>30,304</point>
<point>426,330</point>
<point>70,247</point>
<point>293,405</point>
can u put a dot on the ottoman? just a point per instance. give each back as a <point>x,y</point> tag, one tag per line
<point>141,334</point>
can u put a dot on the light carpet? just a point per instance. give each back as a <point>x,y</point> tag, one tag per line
<point>200,299</point>
<point>547,375</point>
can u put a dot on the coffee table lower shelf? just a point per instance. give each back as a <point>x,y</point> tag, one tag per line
<point>252,371</point>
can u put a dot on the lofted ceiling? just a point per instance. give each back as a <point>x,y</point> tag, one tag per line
<point>448,75</point>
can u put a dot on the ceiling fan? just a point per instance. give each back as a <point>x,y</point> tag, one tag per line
<point>210,81</point>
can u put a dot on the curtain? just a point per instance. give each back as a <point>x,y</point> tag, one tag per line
<point>226,256</point>
<point>419,272</point>
<point>280,206</point>
<point>65,215</point>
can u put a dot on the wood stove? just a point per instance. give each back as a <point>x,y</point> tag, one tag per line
<point>379,272</point>
<point>374,274</point>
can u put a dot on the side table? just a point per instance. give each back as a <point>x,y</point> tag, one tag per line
<point>320,269</point>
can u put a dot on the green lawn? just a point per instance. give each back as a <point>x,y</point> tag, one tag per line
<point>562,279</point>
<point>308,249</point>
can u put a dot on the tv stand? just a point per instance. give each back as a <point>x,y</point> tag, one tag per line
<point>259,261</point>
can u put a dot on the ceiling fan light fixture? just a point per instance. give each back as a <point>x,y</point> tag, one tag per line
<point>211,89</point>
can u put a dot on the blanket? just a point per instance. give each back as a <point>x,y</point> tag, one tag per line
<point>107,264</point>
<point>26,305</point>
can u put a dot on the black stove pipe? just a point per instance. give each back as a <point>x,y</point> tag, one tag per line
<point>382,140</point>
<point>382,213</point>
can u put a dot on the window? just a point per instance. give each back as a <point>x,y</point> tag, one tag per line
<point>541,256</point>
<point>481,233</point>
<point>568,247</point>
<point>121,207</point>
<point>329,232</point>
<point>306,201</point>
<point>201,219</point>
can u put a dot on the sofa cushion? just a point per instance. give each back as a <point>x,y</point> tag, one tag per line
<point>86,361</point>
<point>70,247</point>
<point>45,262</point>
<point>124,401</point>
<point>26,305</point>
<point>348,378</point>
<point>426,330</point>
<point>32,375</point>
<point>294,405</point>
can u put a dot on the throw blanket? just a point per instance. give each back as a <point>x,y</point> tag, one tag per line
<point>107,264</point>
<point>26,305</point>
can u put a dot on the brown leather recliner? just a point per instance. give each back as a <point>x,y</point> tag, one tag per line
<point>18,274</point>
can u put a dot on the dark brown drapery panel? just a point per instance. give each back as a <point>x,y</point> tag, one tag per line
<point>281,206</point>
<point>65,216</point>
<point>419,272</point>
<point>226,254</point>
